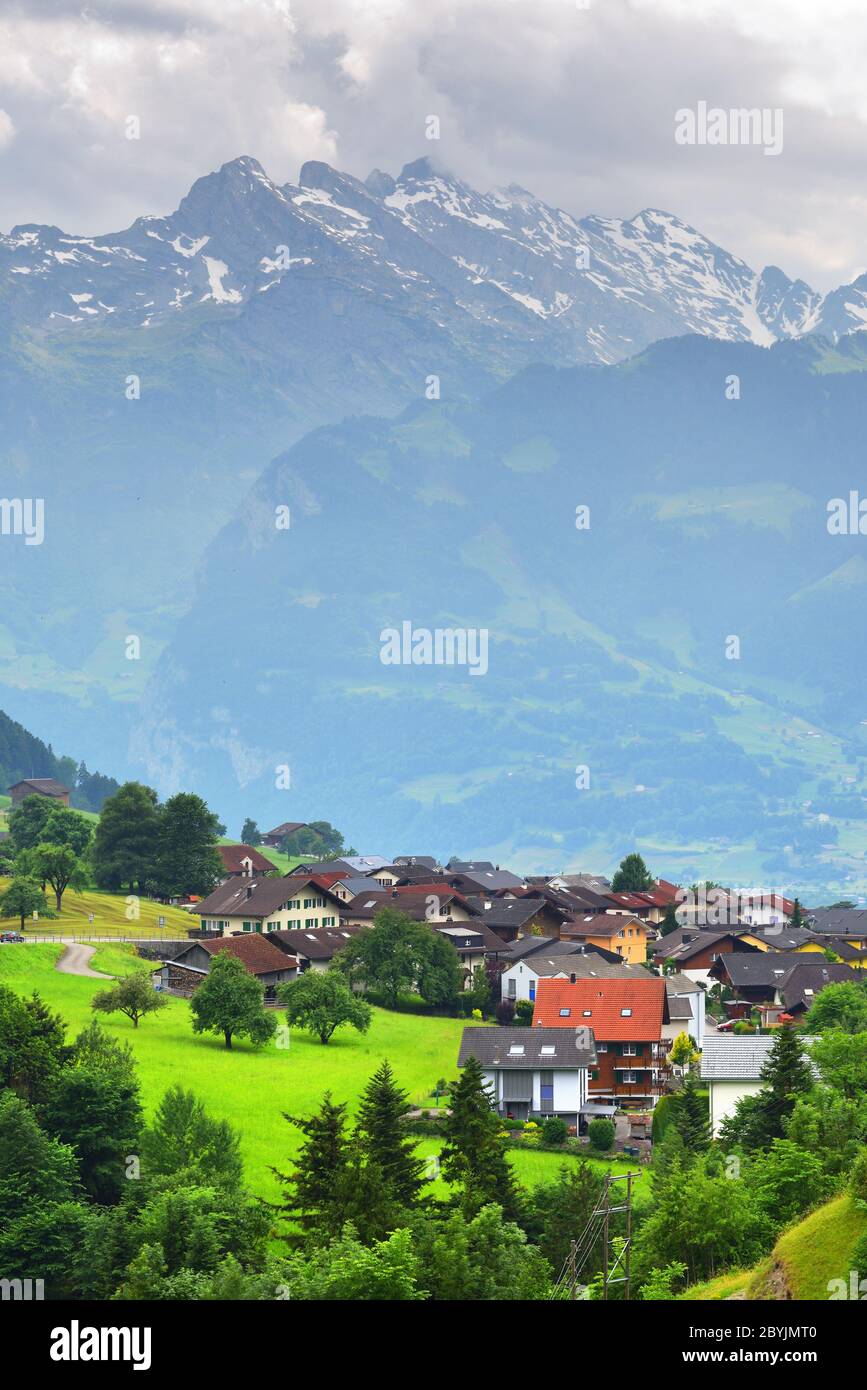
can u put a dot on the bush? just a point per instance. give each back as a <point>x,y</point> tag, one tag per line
<point>505,1012</point>
<point>859,1258</point>
<point>524,1013</point>
<point>554,1130</point>
<point>661,1118</point>
<point>601,1135</point>
<point>859,1176</point>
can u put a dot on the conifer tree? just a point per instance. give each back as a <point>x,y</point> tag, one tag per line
<point>318,1189</point>
<point>473,1155</point>
<point>384,1139</point>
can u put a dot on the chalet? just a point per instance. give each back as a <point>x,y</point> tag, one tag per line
<point>475,944</point>
<point>313,950</point>
<point>351,885</point>
<point>533,1072</point>
<point>627,1017</point>
<point>477,879</point>
<point>732,1069</point>
<point>432,903</point>
<point>514,918</point>
<point>185,972</point>
<point>255,905</point>
<point>39,786</point>
<point>851,951</point>
<point>694,950</point>
<point>620,932</point>
<point>756,978</point>
<point>274,838</point>
<point>424,861</point>
<point>244,861</point>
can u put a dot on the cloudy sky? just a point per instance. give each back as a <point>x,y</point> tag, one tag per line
<point>574,99</point>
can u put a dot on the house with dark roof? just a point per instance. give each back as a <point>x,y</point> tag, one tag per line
<point>315,949</point>
<point>755,977</point>
<point>39,786</point>
<point>626,1016</point>
<point>244,861</point>
<point>621,932</point>
<point>185,972</point>
<point>533,1072</point>
<point>274,838</point>
<point>298,901</point>
<point>530,914</point>
<point>428,903</point>
<point>694,950</point>
<point>848,922</point>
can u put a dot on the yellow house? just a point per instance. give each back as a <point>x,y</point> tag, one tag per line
<point>619,932</point>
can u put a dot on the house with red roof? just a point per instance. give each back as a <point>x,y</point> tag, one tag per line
<point>244,861</point>
<point>626,1016</point>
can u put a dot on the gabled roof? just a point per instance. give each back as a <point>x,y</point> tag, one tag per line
<point>618,1010</point>
<point>232,856</point>
<point>489,880</point>
<point>320,943</point>
<point>287,828</point>
<point>803,982</point>
<point>323,866</point>
<point>256,952</point>
<point>784,938</point>
<point>425,861</point>
<point>551,1049</point>
<point>686,942</point>
<point>734,1058</point>
<point>760,969</point>
<point>605,924</point>
<point>256,898</point>
<point>42,786</point>
<point>508,912</point>
<point>840,921</point>
<point>584,967</point>
<point>355,884</point>
<point>415,905</point>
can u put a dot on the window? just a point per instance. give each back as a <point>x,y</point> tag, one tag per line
<point>512,989</point>
<point>329,921</point>
<point>532,989</point>
<point>516,1050</point>
<point>625,1013</point>
<point>565,1013</point>
<point>310,921</point>
<point>547,1051</point>
<point>546,1090</point>
<point>246,926</point>
<point>630,1050</point>
<point>629,1078</point>
<point>586,1013</point>
<point>601,1047</point>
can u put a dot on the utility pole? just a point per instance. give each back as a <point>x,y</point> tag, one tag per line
<point>573,1275</point>
<point>623,1258</point>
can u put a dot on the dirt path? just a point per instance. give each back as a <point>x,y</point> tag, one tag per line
<point>74,961</point>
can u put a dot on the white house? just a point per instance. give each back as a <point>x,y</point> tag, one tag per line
<point>686,1008</point>
<point>535,1072</point>
<point>731,1066</point>
<point>521,980</point>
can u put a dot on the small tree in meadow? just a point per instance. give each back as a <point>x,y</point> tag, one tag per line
<point>320,1001</point>
<point>229,1001</point>
<point>133,995</point>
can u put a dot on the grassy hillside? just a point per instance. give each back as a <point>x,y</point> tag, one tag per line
<point>109,917</point>
<point>253,1088</point>
<point>805,1258</point>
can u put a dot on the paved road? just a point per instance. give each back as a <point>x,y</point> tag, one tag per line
<point>74,961</point>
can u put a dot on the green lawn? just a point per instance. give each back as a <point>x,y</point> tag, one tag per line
<point>109,917</point>
<point>248,1087</point>
<point>252,1089</point>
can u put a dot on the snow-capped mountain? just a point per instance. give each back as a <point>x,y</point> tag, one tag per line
<point>500,273</point>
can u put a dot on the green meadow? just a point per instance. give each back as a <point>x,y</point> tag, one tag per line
<point>253,1088</point>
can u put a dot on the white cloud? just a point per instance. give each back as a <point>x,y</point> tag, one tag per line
<point>7,129</point>
<point>576,104</point>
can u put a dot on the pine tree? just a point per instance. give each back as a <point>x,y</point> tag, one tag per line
<point>669,921</point>
<point>633,875</point>
<point>785,1075</point>
<point>384,1140</point>
<point>473,1155</point>
<point>690,1116</point>
<point>318,1193</point>
<point>796,916</point>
